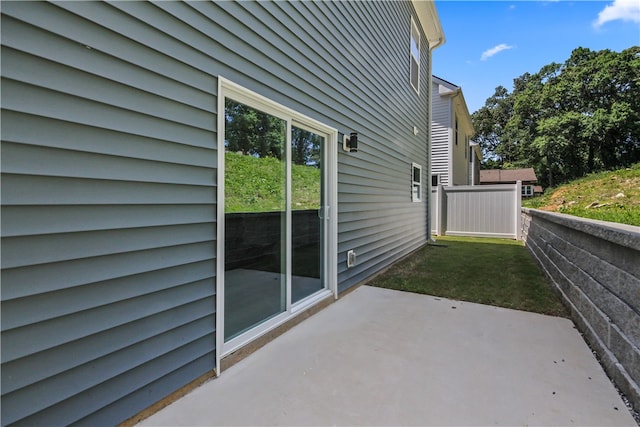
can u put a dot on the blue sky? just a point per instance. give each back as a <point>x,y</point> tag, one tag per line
<point>489,43</point>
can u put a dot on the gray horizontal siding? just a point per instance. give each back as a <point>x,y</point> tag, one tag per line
<point>85,404</point>
<point>356,79</point>
<point>32,250</point>
<point>65,302</point>
<point>29,129</point>
<point>174,370</point>
<point>26,221</point>
<point>54,389</point>
<point>109,179</point>
<point>40,190</point>
<point>58,360</point>
<point>36,160</point>
<point>108,225</point>
<point>40,73</point>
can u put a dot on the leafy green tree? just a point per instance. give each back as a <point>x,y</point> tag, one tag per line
<point>253,132</point>
<point>567,119</point>
<point>305,147</point>
<point>490,121</point>
<point>532,103</point>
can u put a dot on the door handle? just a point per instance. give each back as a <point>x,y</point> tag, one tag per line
<point>323,212</point>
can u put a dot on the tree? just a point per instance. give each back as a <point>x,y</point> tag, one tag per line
<point>305,147</point>
<point>253,132</point>
<point>490,121</point>
<point>567,119</point>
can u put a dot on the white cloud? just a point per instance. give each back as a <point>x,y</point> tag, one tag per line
<point>626,10</point>
<point>494,50</point>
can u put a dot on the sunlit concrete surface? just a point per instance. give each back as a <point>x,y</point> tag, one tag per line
<point>383,357</point>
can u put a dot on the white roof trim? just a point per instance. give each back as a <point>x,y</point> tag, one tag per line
<point>444,83</point>
<point>448,89</point>
<point>460,105</point>
<point>430,22</point>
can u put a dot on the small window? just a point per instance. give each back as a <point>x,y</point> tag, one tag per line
<point>435,180</point>
<point>416,182</point>
<point>415,57</point>
<point>527,190</point>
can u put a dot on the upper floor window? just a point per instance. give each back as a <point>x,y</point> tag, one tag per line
<point>415,56</point>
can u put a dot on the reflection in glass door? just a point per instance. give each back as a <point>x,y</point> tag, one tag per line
<point>306,213</point>
<point>255,217</point>
<point>274,232</point>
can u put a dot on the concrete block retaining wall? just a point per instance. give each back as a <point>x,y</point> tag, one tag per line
<point>595,265</point>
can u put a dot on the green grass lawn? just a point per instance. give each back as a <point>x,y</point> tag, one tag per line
<point>497,272</point>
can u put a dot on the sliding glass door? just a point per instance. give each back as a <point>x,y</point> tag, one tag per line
<point>274,216</point>
<point>307,201</point>
<point>255,217</point>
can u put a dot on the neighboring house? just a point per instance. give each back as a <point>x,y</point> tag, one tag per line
<point>511,176</point>
<point>451,132</point>
<point>475,158</point>
<point>125,277</point>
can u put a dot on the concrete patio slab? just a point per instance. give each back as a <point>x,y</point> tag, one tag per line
<point>383,357</point>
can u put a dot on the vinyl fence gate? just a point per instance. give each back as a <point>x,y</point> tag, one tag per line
<point>477,211</point>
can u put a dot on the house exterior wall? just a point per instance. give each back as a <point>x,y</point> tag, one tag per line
<point>461,149</point>
<point>475,155</point>
<point>109,165</point>
<point>459,155</point>
<point>451,132</point>
<point>441,135</point>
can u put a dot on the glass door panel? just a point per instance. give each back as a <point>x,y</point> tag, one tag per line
<point>255,218</point>
<point>306,213</point>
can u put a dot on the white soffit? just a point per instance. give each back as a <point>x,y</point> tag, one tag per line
<point>430,22</point>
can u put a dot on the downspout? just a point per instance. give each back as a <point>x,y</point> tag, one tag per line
<point>432,46</point>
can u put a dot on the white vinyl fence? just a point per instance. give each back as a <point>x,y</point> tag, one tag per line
<point>479,210</point>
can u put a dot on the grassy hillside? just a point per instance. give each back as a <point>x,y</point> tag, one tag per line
<point>608,196</point>
<point>255,184</point>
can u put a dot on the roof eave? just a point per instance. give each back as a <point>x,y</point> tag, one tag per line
<point>430,22</point>
<point>462,103</point>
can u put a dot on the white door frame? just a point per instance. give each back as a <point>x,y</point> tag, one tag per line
<point>227,88</point>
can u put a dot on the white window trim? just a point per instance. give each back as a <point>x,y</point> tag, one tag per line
<point>412,57</point>
<point>416,196</point>
<point>227,88</point>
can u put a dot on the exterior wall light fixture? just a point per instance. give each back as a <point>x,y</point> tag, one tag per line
<point>350,143</point>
